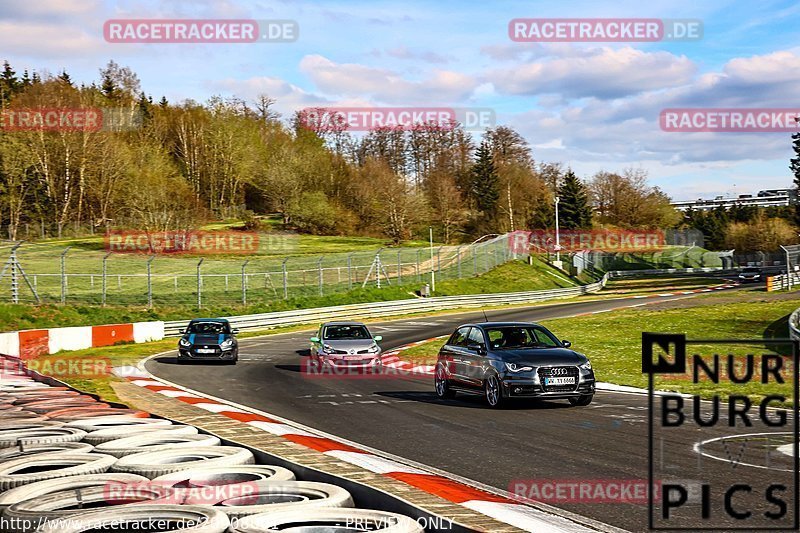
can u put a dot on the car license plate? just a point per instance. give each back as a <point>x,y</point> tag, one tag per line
<point>560,381</point>
<point>205,350</point>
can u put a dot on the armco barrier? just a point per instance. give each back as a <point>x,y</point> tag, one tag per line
<point>418,305</point>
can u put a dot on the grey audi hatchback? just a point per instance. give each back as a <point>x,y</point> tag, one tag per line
<point>506,360</point>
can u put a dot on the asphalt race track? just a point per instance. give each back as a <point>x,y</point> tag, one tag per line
<point>545,441</point>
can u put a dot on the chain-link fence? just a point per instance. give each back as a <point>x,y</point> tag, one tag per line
<point>85,273</point>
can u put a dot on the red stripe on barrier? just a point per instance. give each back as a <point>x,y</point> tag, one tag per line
<point>321,444</point>
<point>111,334</point>
<point>452,491</point>
<point>33,343</point>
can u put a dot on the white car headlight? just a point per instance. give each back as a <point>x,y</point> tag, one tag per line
<point>514,367</point>
<point>373,349</point>
<point>227,343</point>
<point>185,343</point>
<point>327,348</point>
<point>587,365</point>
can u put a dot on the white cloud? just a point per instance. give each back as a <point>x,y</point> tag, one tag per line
<point>353,80</point>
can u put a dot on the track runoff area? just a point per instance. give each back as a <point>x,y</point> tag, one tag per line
<point>632,459</point>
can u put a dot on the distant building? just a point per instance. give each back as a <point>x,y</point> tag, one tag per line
<point>765,198</point>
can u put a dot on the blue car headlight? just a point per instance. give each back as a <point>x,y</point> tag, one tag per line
<point>586,366</point>
<point>515,368</point>
<point>184,343</point>
<point>227,343</point>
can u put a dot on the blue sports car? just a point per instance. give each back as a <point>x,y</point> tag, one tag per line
<point>208,339</point>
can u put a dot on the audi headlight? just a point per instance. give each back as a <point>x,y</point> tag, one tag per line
<point>327,348</point>
<point>587,365</point>
<point>227,343</point>
<point>514,367</point>
<point>184,343</point>
<point>372,349</point>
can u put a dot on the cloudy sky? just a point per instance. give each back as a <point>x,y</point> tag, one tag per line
<point>592,106</point>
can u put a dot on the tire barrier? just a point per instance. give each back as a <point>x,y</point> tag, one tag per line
<point>273,496</point>
<point>158,463</point>
<point>48,466</point>
<point>70,463</point>
<point>44,435</point>
<point>48,486</point>
<point>57,506</point>
<point>119,432</point>
<point>26,450</point>
<point>225,475</point>
<point>155,441</point>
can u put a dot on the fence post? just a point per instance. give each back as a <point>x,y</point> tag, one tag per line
<point>199,284</point>
<point>105,281</point>
<point>150,283</point>
<point>349,271</point>
<point>319,271</point>
<point>244,283</point>
<point>458,259</point>
<point>64,275</point>
<point>399,267</point>
<point>285,279</point>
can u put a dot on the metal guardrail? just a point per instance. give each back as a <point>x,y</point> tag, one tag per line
<point>416,305</point>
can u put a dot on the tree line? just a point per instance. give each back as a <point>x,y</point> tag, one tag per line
<point>186,163</point>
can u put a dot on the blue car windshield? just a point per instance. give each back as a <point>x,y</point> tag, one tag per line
<point>520,337</point>
<point>209,328</point>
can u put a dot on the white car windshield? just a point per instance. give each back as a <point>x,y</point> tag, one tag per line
<point>346,332</point>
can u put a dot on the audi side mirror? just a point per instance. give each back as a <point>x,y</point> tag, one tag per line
<point>377,338</point>
<point>314,339</point>
<point>566,343</point>
<point>235,331</point>
<point>479,348</point>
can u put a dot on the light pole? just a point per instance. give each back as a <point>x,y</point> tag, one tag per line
<point>558,240</point>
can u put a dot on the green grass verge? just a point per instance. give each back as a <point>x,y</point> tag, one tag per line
<point>510,277</point>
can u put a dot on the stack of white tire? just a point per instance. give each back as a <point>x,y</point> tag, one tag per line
<point>70,463</point>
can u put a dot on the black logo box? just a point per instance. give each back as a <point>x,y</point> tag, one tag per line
<point>675,345</point>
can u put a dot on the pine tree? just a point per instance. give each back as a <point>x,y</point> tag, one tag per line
<point>574,211</point>
<point>163,102</point>
<point>794,166</point>
<point>64,77</point>
<point>26,78</point>
<point>484,188</point>
<point>9,84</point>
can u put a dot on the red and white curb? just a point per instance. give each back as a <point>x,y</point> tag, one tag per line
<point>502,508</point>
